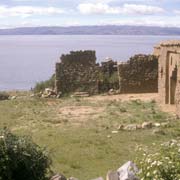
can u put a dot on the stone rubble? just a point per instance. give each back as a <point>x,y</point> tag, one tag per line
<point>127,171</point>
<point>112,175</point>
<point>58,177</point>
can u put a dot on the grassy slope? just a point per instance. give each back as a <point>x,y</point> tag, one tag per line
<point>78,142</point>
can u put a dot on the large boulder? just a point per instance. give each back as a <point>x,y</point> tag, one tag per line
<point>128,171</point>
<point>112,175</point>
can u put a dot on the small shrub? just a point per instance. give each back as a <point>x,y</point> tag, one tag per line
<point>41,86</point>
<point>21,159</point>
<point>4,96</point>
<point>162,165</point>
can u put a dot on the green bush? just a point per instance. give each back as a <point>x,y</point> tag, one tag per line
<point>41,86</point>
<point>162,165</point>
<point>108,82</point>
<point>4,96</point>
<point>21,159</point>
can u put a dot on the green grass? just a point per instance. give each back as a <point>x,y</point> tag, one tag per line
<point>81,148</point>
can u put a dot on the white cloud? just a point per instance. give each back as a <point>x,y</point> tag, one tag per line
<point>25,11</point>
<point>102,8</point>
<point>141,9</point>
<point>99,8</point>
<point>177,12</point>
<point>159,22</point>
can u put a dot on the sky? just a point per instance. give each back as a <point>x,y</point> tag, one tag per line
<point>28,13</point>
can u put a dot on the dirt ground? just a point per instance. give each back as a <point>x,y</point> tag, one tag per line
<point>143,97</point>
<point>79,113</point>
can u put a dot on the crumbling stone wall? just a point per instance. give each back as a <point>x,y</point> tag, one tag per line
<point>108,76</point>
<point>168,53</point>
<point>139,74</point>
<point>77,71</point>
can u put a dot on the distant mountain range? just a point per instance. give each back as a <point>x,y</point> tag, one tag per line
<point>92,30</point>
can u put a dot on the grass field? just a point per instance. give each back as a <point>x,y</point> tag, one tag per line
<point>78,131</point>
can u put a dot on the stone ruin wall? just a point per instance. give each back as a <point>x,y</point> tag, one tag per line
<point>139,74</point>
<point>77,71</point>
<point>169,72</point>
<point>108,78</point>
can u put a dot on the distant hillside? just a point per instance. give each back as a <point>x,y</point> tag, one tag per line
<point>92,30</point>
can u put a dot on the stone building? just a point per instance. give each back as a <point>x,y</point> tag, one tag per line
<point>169,72</point>
<point>139,74</point>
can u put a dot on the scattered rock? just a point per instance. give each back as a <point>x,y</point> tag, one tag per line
<point>112,175</point>
<point>48,93</point>
<point>59,95</point>
<point>157,124</point>
<point>128,171</point>
<point>109,136</point>
<point>159,131</point>
<point>58,177</point>
<point>165,125</point>
<point>13,97</point>
<point>147,125</point>
<point>32,95</point>
<point>139,126</point>
<point>120,127</point>
<point>131,127</point>
<point>114,132</point>
<point>73,178</point>
<point>111,92</point>
<point>99,178</point>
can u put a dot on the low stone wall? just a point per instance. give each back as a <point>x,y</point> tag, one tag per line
<point>139,74</point>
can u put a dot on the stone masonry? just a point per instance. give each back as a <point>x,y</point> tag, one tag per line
<point>139,74</point>
<point>77,71</point>
<point>168,53</point>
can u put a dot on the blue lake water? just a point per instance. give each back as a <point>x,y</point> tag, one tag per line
<point>25,60</point>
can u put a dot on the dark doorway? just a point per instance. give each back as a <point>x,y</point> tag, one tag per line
<point>173,83</point>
